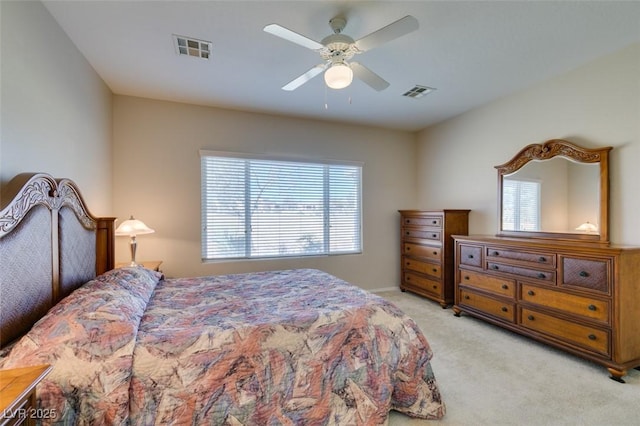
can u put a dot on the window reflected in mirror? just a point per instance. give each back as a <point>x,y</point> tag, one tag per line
<point>555,195</point>
<point>520,205</point>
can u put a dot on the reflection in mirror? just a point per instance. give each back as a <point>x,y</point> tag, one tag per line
<point>556,195</point>
<point>555,190</point>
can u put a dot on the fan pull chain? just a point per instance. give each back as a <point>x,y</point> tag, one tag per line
<point>326,103</point>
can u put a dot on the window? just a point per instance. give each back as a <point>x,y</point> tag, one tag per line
<point>521,205</point>
<point>263,207</point>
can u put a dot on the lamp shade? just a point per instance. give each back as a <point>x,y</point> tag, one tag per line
<point>133,227</point>
<point>587,227</point>
<point>338,76</point>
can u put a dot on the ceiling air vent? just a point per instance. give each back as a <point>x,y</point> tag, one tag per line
<point>418,92</point>
<point>192,47</point>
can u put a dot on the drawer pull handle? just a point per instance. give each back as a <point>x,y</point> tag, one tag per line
<point>542,259</point>
<point>434,235</point>
<point>466,277</point>
<point>434,270</point>
<point>495,253</point>
<point>495,267</point>
<point>435,287</point>
<point>505,287</point>
<point>408,263</point>
<point>467,297</point>
<point>592,337</point>
<point>435,253</point>
<point>407,233</point>
<point>531,293</point>
<point>408,248</point>
<point>530,318</point>
<point>504,309</point>
<point>470,256</point>
<point>584,274</point>
<point>592,307</point>
<point>541,275</point>
<point>435,222</point>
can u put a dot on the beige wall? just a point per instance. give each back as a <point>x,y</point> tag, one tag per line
<point>57,117</point>
<point>55,110</point>
<point>157,179</point>
<point>595,105</point>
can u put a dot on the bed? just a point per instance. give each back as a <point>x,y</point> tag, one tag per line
<point>129,346</point>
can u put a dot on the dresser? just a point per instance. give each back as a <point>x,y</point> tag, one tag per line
<point>427,251</point>
<point>581,297</point>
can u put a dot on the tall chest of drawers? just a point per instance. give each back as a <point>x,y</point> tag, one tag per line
<point>427,251</point>
<point>583,298</point>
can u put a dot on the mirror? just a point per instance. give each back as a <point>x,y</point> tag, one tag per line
<point>555,190</point>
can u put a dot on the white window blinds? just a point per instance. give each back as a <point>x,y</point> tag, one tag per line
<point>263,207</point>
<point>521,205</point>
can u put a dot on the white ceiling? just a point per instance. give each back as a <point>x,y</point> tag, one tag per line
<point>472,52</point>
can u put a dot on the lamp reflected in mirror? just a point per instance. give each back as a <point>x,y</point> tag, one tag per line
<point>587,227</point>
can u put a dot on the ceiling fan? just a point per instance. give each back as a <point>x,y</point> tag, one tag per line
<point>337,49</point>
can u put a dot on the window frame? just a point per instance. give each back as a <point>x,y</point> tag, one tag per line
<point>247,253</point>
<point>517,217</point>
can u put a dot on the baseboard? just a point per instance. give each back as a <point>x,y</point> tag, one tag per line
<point>379,290</point>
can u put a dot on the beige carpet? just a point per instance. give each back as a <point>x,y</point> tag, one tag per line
<point>490,376</point>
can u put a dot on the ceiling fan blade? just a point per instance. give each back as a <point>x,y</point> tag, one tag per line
<point>294,84</point>
<point>390,32</point>
<point>369,77</point>
<point>292,36</point>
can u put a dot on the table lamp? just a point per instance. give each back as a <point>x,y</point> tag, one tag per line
<point>132,227</point>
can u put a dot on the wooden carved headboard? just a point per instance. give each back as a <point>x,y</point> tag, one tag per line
<point>49,245</point>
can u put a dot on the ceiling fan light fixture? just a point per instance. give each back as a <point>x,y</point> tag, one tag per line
<point>338,76</point>
<point>338,48</point>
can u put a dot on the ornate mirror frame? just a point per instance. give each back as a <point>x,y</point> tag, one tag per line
<point>560,148</point>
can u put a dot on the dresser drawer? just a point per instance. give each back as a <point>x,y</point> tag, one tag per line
<point>501,286</point>
<point>433,221</point>
<point>428,252</point>
<point>584,306</point>
<point>470,255</point>
<point>424,283</point>
<point>592,274</point>
<point>592,338</point>
<point>433,269</point>
<point>548,259</point>
<point>538,274</point>
<point>501,309</point>
<point>422,234</point>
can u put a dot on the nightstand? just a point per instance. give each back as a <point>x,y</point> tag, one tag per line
<point>154,265</point>
<point>18,396</point>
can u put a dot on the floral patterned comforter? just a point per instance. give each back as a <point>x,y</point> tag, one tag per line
<point>271,348</point>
